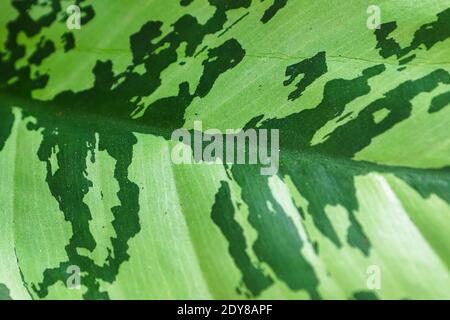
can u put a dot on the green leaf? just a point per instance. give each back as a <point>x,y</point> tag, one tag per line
<point>358,209</point>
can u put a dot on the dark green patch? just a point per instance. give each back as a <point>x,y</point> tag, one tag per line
<point>440,102</point>
<point>278,242</point>
<point>185,3</point>
<point>224,57</point>
<point>4,292</point>
<point>365,295</point>
<point>44,48</point>
<point>276,6</point>
<point>68,40</point>
<point>7,121</point>
<point>426,36</point>
<point>223,216</point>
<point>312,69</point>
<point>319,181</point>
<point>361,130</point>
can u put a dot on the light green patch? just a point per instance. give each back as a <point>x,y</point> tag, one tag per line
<point>38,222</point>
<point>100,199</point>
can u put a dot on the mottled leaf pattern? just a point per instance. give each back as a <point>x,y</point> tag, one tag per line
<point>86,118</point>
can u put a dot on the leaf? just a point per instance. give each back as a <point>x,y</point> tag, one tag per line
<point>359,207</point>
